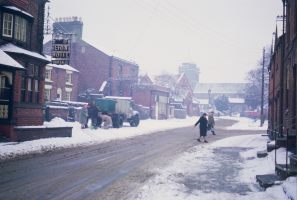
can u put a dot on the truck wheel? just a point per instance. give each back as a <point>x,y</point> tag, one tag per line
<point>121,122</point>
<point>115,121</point>
<point>134,122</point>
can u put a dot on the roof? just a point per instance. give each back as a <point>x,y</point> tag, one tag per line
<point>118,97</point>
<point>126,61</point>
<point>203,101</point>
<point>18,10</point>
<point>11,48</point>
<point>103,86</point>
<point>225,88</point>
<point>66,67</point>
<point>236,100</point>
<point>9,61</point>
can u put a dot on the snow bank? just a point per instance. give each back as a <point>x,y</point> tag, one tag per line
<point>81,137</point>
<point>245,123</point>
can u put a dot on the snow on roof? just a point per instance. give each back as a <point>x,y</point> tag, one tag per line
<point>236,100</point>
<point>8,61</point>
<point>203,101</point>
<point>102,86</point>
<point>15,49</point>
<point>117,97</point>
<point>18,10</point>
<point>225,88</point>
<point>66,67</point>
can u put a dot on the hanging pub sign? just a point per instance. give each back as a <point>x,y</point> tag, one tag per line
<point>61,50</point>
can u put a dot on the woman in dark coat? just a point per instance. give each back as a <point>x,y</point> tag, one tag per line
<point>202,126</point>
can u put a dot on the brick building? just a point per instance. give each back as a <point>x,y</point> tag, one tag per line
<point>61,83</point>
<point>155,97</point>
<point>283,79</point>
<point>275,85</point>
<point>98,70</point>
<point>282,115</point>
<point>22,65</point>
<point>183,93</point>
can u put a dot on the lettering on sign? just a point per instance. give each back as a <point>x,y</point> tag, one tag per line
<point>61,51</point>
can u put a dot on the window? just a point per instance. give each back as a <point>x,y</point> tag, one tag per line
<point>20,32</point>
<point>67,96</point>
<point>36,91</point>
<point>59,94</point>
<point>29,88</point>
<point>23,89</point>
<point>3,111</point>
<point>47,94</point>
<point>7,25</point>
<point>48,74</point>
<point>68,77</point>
<point>5,88</point>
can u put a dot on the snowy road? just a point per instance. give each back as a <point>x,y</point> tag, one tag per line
<point>112,170</point>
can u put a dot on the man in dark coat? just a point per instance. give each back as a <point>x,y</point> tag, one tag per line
<point>202,126</point>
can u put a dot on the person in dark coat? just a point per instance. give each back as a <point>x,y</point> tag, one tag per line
<point>202,126</point>
<point>94,115</point>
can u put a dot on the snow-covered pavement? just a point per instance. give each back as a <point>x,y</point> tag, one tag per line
<point>223,170</point>
<point>82,137</point>
<point>179,181</point>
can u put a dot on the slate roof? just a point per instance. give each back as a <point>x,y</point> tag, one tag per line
<point>225,88</point>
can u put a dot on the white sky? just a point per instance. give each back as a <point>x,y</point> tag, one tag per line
<point>224,38</point>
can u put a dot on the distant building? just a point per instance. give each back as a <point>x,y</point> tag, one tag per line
<point>211,91</point>
<point>98,71</point>
<point>155,97</point>
<point>192,73</point>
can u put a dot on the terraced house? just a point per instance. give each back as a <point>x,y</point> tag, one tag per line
<point>22,66</point>
<point>283,89</point>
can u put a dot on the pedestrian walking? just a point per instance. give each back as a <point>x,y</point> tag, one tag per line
<point>202,127</point>
<point>83,116</point>
<point>211,122</point>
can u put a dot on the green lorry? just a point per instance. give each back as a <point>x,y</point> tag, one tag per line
<point>120,109</point>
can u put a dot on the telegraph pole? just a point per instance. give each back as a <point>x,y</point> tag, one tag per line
<point>262,91</point>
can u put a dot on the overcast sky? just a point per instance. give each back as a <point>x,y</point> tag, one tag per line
<point>224,38</point>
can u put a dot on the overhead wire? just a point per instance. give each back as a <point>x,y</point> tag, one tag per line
<point>193,26</point>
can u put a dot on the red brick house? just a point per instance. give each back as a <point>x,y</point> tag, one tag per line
<point>274,85</point>
<point>61,83</point>
<point>283,80</point>
<point>183,93</point>
<point>153,96</point>
<point>98,71</point>
<point>282,113</point>
<point>22,65</point>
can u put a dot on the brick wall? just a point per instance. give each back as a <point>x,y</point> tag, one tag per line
<point>124,76</point>
<point>25,115</point>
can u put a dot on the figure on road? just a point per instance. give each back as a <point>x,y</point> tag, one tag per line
<point>202,126</point>
<point>211,122</point>
<point>83,116</point>
<point>106,120</point>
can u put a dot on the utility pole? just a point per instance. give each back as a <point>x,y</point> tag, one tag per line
<point>262,91</point>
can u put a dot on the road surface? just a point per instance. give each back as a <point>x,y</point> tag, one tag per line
<point>111,170</point>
